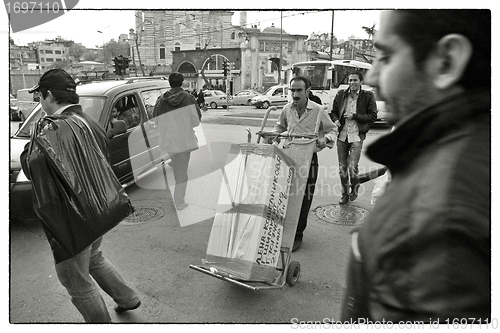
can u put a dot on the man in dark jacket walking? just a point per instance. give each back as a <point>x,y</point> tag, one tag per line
<point>177,114</point>
<point>353,111</point>
<point>58,95</point>
<point>424,253</point>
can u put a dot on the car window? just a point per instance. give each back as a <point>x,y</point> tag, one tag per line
<point>218,92</point>
<point>149,97</point>
<point>24,130</point>
<point>278,91</point>
<point>207,94</point>
<point>93,106</point>
<point>128,110</point>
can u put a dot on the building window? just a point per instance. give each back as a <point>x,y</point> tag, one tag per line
<point>49,59</point>
<point>41,52</point>
<point>198,47</point>
<point>177,31</point>
<point>48,51</point>
<point>58,52</point>
<point>162,51</point>
<point>177,47</point>
<point>233,35</point>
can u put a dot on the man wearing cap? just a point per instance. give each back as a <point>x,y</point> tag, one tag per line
<point>177,114</point>
<point>57,91</point>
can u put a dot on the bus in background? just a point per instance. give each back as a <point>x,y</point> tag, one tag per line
<point>328,76</point>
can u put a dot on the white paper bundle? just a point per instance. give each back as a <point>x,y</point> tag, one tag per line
<point>248,227</point>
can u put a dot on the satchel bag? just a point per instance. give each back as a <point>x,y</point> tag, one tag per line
<point>75,192</point>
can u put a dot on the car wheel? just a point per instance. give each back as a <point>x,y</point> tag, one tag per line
<point>249,102</point>
<point>265,105</point>
<point>213,105</point>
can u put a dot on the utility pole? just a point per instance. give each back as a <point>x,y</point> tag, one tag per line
<point>331,38</point>
<point>281,48</point>
<point>104,55</point>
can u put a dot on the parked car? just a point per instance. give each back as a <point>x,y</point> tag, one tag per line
<point>244,97</point>
<point>215,98</point>
<point>129,162</point>
<point>275,95</point>
<point>26,102</point>
<point>383,113</point>
<point>13,115</point>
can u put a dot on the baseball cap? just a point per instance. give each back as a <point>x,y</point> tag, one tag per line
<point>57,79</point>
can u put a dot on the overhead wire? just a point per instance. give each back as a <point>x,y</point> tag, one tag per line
<point>232,27</point>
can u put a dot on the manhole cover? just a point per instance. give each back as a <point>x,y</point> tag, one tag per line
<point>144,214</point>
<point>341,214</point>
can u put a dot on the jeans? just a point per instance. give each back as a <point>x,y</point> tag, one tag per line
<point>179,164</point>
<point>349,154</point>
<point>308,197</point>
<point>74,274</point>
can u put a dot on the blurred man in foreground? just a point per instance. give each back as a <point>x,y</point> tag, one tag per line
<point>424,254</point>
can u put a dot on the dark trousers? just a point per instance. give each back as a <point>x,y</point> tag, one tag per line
<point>179,164</point>
<point>308,197</point>
<point>349,154</point>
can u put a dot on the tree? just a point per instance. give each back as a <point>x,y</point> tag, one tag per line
<point>77,51</point>
<point>89,55</point>
<point>60,64</point>
<point>370,30</point>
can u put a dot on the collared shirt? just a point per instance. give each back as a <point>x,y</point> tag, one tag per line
<point>60,110</point>
<point>290,122</point>
<point>350,131</point>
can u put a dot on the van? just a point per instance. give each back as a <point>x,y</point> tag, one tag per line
<point>26,102</point>
<point>135,98</point>
<point>275,95</point>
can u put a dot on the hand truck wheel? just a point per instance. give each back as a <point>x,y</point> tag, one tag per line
<point>293,274</point>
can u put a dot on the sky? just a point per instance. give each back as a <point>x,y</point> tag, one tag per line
<point>113,23</point>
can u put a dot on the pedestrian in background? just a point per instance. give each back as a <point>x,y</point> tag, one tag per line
<point>299,117</point>
<point>177,114</point>
<point>424,253</point>
<point>201,100</point>
<point>58,95</point>
<point>353,111</point>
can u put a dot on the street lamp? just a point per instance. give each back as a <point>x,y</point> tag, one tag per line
<point>104,54</point>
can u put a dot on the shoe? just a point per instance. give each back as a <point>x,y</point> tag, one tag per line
<point>296,244</point>
<point>181,206</point>
<point>344,199</point>
<point>354,193</point>
<point>120,309</point>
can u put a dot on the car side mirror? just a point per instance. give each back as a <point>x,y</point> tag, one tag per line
<point>119,127</point>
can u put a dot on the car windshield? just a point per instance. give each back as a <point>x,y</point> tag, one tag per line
<point>91,105</point>
<point>218,92</point>
<point>268,90</point>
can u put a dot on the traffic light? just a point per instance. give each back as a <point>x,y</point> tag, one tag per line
<point>224,67</point>
<point>117,65</point>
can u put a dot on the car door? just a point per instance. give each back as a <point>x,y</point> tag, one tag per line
<point>241,98</point>
<point>149,134</point>
<point>126,160</point>
<point>275,98</point>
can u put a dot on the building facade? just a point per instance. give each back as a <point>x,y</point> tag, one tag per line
<point>197,43</point>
